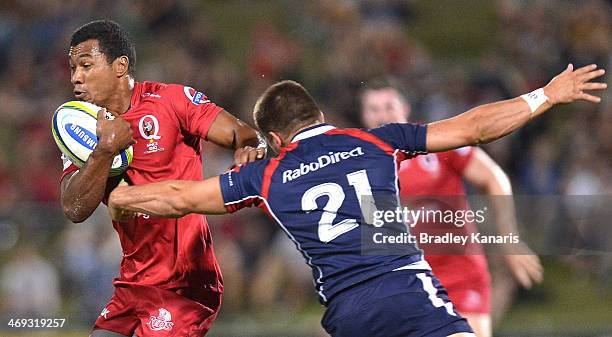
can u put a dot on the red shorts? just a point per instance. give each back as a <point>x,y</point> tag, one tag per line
<point>466,279</point>
<point>151,311</point>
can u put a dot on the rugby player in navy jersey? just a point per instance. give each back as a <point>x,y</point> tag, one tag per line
<point>314,189</point>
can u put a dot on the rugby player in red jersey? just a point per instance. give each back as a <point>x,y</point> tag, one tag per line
<point>169,282</point>
<point>442,175</point>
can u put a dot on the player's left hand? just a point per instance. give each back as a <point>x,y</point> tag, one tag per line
<point>248,154</point>
<point>571,85</point>
<point>526,267</point>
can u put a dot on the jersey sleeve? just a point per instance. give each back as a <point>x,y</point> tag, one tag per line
<point>68,167</point>
<point>410,138</point>
<point>195,111</point>
<point>241,187</point>
<point>458,159</point>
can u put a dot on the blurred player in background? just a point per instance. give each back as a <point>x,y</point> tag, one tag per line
<point>169,279</point>
<point>320,205</point>
<point>442,175</point>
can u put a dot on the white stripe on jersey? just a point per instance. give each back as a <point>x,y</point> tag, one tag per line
<point>433,294</point>
<point>312,132</point>
<point>299,247</point>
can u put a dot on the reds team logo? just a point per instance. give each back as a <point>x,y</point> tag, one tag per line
<point>163,321</point>
<point>149,129</point>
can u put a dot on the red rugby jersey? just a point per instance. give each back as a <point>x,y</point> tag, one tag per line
<point>168,121</point>
<point>438,176</point>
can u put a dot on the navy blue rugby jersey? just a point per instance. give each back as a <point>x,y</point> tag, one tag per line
<point>312,190</point>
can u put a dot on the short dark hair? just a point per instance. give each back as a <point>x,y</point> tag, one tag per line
<point>113,39</point>
<point>285,107</point>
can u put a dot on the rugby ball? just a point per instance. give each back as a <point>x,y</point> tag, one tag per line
<point>74,131</point>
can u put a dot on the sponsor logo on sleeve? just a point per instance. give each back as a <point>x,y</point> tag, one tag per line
<point>196,97</point>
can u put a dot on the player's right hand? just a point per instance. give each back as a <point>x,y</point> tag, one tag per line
<point>570,85</point>
<point>247,154</point>
<point>114,135</point>
<point>525,266</point>
<point>117,214</point>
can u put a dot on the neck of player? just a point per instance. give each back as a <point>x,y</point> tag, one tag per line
<point>293,134</point>
<point>121,98</point>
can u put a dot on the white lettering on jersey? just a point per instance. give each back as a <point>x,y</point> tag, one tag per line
<point>321,162</point>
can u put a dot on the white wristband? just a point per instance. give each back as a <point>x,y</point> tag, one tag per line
<point>535,99</point>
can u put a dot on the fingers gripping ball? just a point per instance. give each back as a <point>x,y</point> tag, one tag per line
<point>74,131</point>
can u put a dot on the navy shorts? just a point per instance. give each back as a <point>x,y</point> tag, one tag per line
<point>400,303</point>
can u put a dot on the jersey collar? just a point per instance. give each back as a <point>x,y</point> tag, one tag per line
<point>312,131</point>
<point>136,94</point>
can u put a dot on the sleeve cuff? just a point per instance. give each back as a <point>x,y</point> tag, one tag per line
<point>421,139</point>
<point>68,170</point>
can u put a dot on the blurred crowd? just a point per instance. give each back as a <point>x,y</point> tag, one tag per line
<point>232,51</point>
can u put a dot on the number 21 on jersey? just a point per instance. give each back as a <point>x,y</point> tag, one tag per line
<point>327,229</point>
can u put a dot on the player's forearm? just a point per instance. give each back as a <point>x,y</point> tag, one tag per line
<point>481,125</point>
<point>83,191</point>
<point>230,132</point>
<point>244,135</point>
<point>495,120</point>
<point>172,198</point>
<point>499,191</point>
<point>163,199</point>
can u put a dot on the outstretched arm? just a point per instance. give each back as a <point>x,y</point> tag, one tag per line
<point>172,198</point>
<point>489,122</point>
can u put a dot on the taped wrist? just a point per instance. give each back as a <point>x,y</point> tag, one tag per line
<point>535,99</point>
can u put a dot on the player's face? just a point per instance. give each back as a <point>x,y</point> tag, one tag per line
<point>383,106</point>
<point>91,75</point>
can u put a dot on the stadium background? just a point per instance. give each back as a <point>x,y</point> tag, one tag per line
<point>450,55</point>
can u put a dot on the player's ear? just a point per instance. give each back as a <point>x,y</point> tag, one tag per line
<point>121,65</point>
<point>276,141</point>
